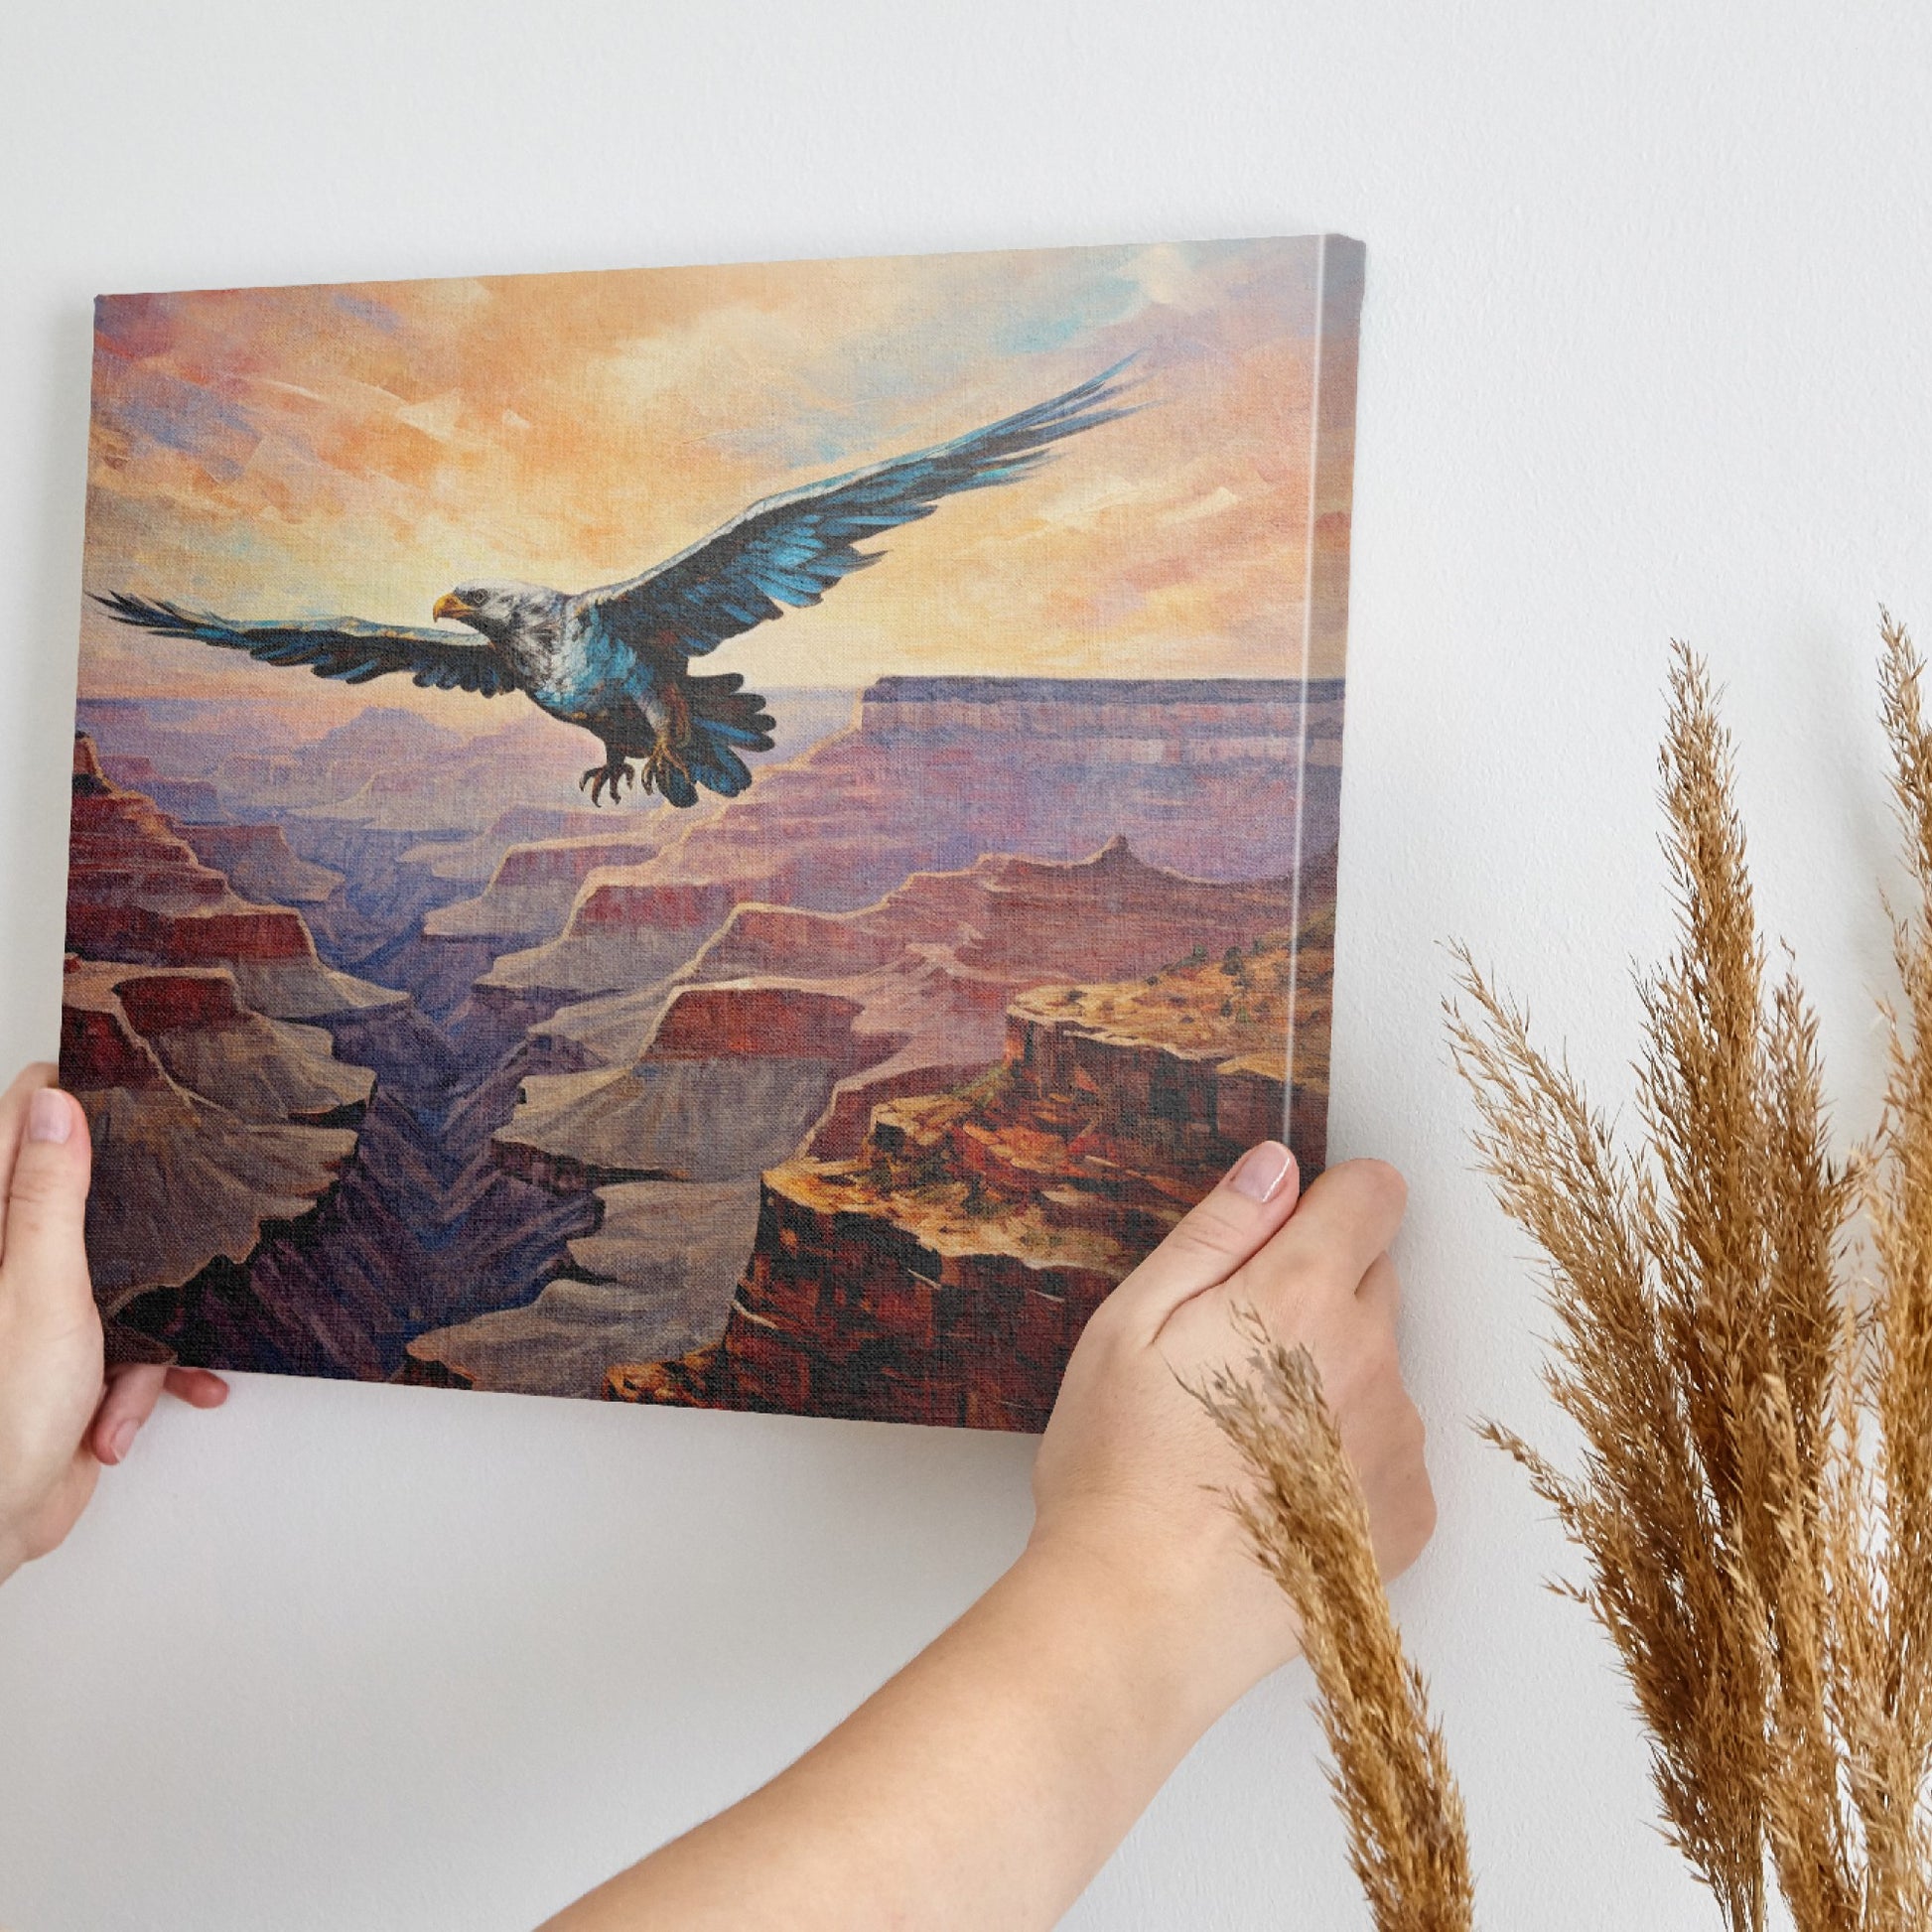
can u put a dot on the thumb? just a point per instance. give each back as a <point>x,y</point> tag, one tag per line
<point>43,1262</point>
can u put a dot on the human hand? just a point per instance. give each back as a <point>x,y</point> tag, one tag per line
<point>1131,1472</point>
<point>62,1412</point>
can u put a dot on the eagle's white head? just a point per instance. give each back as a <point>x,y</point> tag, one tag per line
<point>500,612</point>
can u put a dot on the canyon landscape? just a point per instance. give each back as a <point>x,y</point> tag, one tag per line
<point>807,1101</point>
<point>520,942</point>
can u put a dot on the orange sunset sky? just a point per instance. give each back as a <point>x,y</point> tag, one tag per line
<point>361,449</point>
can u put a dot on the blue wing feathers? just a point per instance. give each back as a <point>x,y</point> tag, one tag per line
<point>790,549</point>
<point>716,764</point>
<point>785,552</point>
<point>346,648</point>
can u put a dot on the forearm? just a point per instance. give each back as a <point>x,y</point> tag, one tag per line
<point>984,1786</point>
<point>991,1778</point>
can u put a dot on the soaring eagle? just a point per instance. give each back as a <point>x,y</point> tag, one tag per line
<point>617,660</point>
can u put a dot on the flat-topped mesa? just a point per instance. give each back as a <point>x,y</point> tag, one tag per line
<point>126,1026</point>
<point>622,899</point>
<point>919,1316</point>
<point>100,1047</point>
<point>944,1273</point>
<point>139,892</point>
<point>1250,717</point>
<point>529,894</point>
<point>258,860</point>
<point>758,1023</point>
<point>160,1001</point>
<point>759,939</point>
<point>210,1122</point>
<point>520,890</point>
<point>732,1081</point>
<point>1211,779</point>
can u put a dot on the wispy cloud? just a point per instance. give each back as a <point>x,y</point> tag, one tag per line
<point>332,449</point>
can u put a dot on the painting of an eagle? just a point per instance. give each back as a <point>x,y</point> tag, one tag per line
<point>617,659</point>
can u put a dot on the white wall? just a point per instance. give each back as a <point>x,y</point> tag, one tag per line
<point>1644,352</point>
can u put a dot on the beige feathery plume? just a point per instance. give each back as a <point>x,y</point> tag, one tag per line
<point>1308,1524</point>
<point>1754,1498</point>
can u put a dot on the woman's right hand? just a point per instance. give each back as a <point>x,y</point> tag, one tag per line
<point>63,1414</point>
<point>1132,1472</point>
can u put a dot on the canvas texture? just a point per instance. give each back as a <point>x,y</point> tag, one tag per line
<point>740,837</point>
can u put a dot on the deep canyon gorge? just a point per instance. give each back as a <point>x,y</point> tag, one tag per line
<point>850,1096</point>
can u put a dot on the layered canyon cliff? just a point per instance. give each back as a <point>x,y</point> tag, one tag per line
<point>623,1103</point>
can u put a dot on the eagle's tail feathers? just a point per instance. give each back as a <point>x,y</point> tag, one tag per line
<point>715,766</point>
<point>677,786</point>
<point>722,711</point>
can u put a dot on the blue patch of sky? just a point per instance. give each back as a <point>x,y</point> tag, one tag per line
<point>1108,298</point>
<point>378,315</point>
<point>885,377</point>
<point>185,416</point>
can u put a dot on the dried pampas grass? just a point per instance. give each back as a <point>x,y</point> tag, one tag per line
<point>1308,1524</point>
<point>1753,1391</point>
<point>1754,1497</point>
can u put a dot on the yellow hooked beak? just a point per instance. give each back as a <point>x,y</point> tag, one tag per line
<point>452,605</point>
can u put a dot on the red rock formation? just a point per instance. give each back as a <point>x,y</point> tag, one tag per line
<point>258,860</point>
<point>158,1002</point>
<point>944,1274</point>
<point>138,891</point>
<point>1200,776</point>
<point>848,1312</point>
<point>529,894</point>
<point>766,1022</point>
<point>99,1046</point>
<point>212,1121</point>
<point>813,945</point>
<point>696,905</point>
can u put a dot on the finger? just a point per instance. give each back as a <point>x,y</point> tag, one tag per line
<point>44,1265</point>
<point>197,1387</point>
<point>1346,1217</point>
<point>128,1402</point>
<point>1246,1206</point>
<point>13,1126</point>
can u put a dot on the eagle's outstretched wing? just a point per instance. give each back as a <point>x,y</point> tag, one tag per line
<point>340,647</point>
<point>791,549</point>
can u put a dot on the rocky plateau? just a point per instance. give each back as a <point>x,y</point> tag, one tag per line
<point>837,1096</point>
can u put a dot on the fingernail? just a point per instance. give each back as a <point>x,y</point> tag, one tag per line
<point>50,1116</point>
<point>1260,1171</point>
<point>123,1440</point>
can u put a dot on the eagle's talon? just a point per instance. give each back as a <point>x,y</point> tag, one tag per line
<point>659,762</point>
<point>609,778</point>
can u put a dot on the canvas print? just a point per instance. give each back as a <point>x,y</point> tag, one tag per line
<point>741,837</point>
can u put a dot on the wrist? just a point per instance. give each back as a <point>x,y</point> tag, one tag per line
<point>1170,1642</point>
